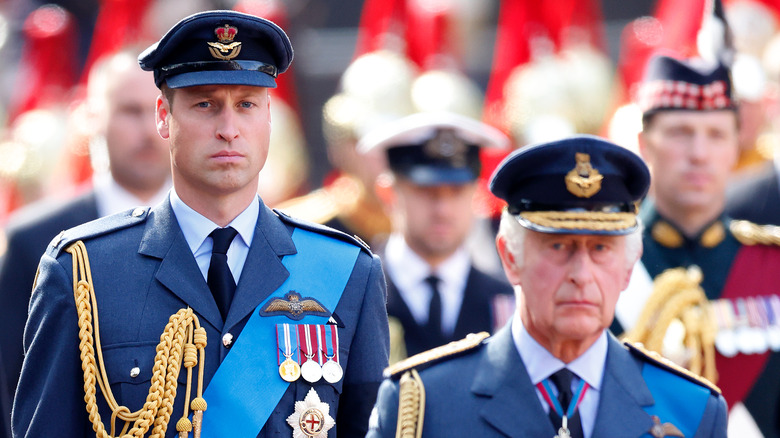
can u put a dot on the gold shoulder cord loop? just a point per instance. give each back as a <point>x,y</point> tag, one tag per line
<point>411,406</point>
<point>182,334</point>
<point>677,295</point>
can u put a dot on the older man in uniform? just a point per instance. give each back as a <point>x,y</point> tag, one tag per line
<point>435,293</point>
<point>568,241</point>
<point>295,346</point>
<point>690,142</point>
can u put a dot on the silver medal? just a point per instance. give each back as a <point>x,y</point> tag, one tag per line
<point>331,371</point>
<point>311,371</point>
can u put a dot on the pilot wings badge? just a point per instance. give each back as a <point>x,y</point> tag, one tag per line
<point>294,307</point>
<point>584,180</point>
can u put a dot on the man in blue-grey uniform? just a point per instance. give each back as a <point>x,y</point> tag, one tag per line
<point>209,312</point>
<point>435,294</point>
<point>568,240</point>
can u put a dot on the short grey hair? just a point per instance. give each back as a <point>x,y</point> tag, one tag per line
<point>514,233</point>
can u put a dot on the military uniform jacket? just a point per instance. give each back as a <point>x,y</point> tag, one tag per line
<point>143,271</point>
<point>486,392</point>
<point>477,313</point>
<point>731,271</point>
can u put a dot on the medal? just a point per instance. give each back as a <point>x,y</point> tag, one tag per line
<point>545,387</point>
<point>287,348</point>
<point>331,370</point>
<point>758,323</point>
<point>725,340</point>
<point>563,431</point>
<point>289,370</point>
<point>311,370</point>
<point>311,418</point>
<point>772,306</point>
<point>744,334</point>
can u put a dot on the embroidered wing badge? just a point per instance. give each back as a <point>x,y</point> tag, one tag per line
<point>294,307</point>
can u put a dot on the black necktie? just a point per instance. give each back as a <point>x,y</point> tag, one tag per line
<point>220,280</point>
<point>562,380</point>
<point>434,309</point>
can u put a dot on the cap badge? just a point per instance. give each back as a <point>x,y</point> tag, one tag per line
<point>226,49</point>
<point>447,146</point>
<point>311,418</point>
<point>584,180</point>
<point>294,307</point>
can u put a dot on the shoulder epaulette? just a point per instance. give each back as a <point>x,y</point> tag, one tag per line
<point>318,207</point>
<point>656,359</point>
<point>429,357</point>
<point>97,227</point>
<point>322,229</point>
<point>748,233</point>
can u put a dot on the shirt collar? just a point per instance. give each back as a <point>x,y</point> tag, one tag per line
<point>407,268</point>
<point>113,198</point>
<point>541,364</point>
<point>196,227</point>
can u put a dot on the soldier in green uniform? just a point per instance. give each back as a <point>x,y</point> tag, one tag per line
<point>690,142</point>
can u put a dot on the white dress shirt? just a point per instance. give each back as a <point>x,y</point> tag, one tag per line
<point>541,364</point>
<point>112,198</point>
<point>408,272</point>
<point>196,229</point>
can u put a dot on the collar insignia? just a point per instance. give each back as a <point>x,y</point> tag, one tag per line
<point>448,147</point>
<point>294,307</point>
<point>311,418</point>
<point>584,180</point>
<point>226,49</point>
<point>663,430</point>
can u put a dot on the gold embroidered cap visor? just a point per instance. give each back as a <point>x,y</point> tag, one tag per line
<point>579,185</point>
<point>219,48</point>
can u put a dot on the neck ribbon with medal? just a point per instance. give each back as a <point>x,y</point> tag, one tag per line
<point>545,387</point>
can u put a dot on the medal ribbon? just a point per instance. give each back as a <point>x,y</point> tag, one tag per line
<point>319,343</point>
<point>545,387</point>
<point>331,342</point>
<point>288,345</point>
<point>308,350</point>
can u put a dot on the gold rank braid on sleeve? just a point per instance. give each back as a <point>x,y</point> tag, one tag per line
<point>411,406</point>
<point>182,341</point>
<point>677,295</point>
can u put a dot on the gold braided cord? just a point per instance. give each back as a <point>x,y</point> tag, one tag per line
<point>411,406</point>
<point>678,296</point>
<point>749,233</point>
<point>581,220</point>
<point>181,340</point>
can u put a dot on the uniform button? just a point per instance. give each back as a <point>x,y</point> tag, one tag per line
<point>135,372</point>
<point>227,340</point>
<point>139,211</point>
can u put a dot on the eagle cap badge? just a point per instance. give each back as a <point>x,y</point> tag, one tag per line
<point>294,307</point>
<point>584,180</point>
<point>226,49</point>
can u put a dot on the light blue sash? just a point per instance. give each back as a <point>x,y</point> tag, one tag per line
<point>247,387</point>
<point>677,401</point>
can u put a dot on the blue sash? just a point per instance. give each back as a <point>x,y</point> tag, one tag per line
<point>247,387</point>
<point>677,400</point>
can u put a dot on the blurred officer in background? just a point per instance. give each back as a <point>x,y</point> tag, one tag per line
<point>132,169</point>
<point>277,326</point>
<point>568,240</point>
<point>435,294</point>
<point>690,142</point>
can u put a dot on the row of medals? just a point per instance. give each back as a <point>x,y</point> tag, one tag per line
<point>311,370</point>
<point>749,325</point>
